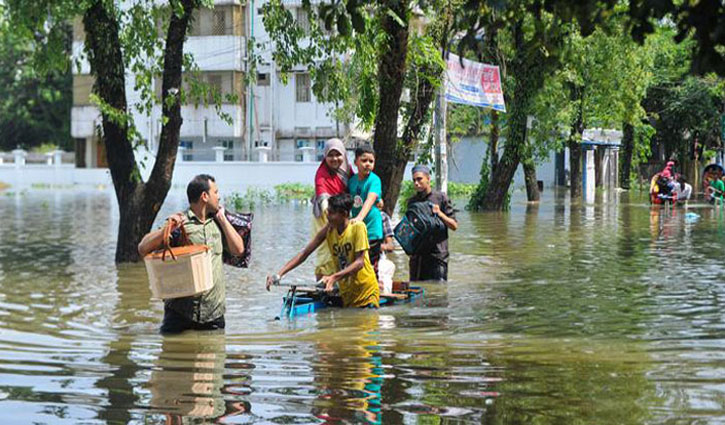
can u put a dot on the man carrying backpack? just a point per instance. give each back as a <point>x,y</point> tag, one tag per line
<point>433,264</point>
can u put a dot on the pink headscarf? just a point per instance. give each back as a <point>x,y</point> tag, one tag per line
<point>667,172</point>
<point>330,182</point>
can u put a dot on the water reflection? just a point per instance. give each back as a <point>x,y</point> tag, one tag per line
<point>187,378</point>
<point>348,372</point>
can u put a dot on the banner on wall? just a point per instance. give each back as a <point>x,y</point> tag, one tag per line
<point>474,83</point>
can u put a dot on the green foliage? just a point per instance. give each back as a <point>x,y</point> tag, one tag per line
<point>406,191</point>
<point>461,190</point>
<point>34,105</point>
<point>252,197</point>
<point>39,28</point>
<point>455,190</point>
<point>466,120</point>
<point>341,49</point>
<point>281,193</point>
<point>45,148</point>
<point>294,191</point>
<point>609,71</point>
<point>681,106</point>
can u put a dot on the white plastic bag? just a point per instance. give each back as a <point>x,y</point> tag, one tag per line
<point>386,270</point>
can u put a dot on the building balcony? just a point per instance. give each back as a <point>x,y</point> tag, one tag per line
<point>218,52</point>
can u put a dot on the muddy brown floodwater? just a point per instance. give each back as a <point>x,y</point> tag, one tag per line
<point>599,314</point>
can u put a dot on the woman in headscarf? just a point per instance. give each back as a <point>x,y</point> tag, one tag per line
<point>330,179</point>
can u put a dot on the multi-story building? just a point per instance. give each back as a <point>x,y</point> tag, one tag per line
<point>283,122</point>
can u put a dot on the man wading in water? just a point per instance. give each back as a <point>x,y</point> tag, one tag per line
<point>204,223</point>
<point>432,265</point>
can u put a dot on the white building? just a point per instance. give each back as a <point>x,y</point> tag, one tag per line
<point>283,122</point>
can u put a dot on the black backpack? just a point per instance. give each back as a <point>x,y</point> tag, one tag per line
<point>420,230</point>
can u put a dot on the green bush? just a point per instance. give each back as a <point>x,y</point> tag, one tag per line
<point>461,190</point>
<point>249,199</point>
<point>281,193</point>
<point>294,191</point>
<point>45,148</point>
<point>455,190</point>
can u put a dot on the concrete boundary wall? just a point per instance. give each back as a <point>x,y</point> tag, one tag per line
<point>232,176</point>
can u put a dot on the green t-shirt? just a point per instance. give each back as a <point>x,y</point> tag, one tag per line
<point>211,304</point>
<point>359,189</point>
<point>720,186</point>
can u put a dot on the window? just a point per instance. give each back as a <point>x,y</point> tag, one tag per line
<point>298,158</point>
<point>303,143</point>
<point>219,22</point>
<point>229,152</point>
<point>188,146</point>
<point>302,83</point>
<point>262,79</point>
<point>320,149</point>
<point>215,86</point>
<point>303,20</point>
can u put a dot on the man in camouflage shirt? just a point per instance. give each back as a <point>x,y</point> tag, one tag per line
<point>205,224</point>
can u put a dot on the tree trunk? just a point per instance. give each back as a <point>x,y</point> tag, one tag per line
<point>138,202</point>
<point>598,166</point>
<point>528,70</point>
<point>575,166</point>
<point>625,159</point>
<point>497,190</point>
<point>532,185</point>
<point>493,146</point>
<point>391,76</point>
<point>575,147</point>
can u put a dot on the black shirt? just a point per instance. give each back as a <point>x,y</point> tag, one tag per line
<point>440,251</point>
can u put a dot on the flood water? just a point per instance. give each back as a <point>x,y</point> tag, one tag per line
<point>604,313</point>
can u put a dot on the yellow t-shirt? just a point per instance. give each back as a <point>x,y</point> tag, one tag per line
<point>361,288</point>
<point>324,264</point>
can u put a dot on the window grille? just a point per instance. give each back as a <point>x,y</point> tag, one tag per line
<point>303,19</point>
<point>302,82</point>
<point>219,22</point>
<point>215,86</point>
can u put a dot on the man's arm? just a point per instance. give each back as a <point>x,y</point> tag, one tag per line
<point>451,223</point>
<point>154,239</point>
<point>356,265</point>
<point>301,256</point>
<point>234,240</point>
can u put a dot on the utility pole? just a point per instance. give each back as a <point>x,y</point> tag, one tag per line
<point>250,80</point>
<point>439,117</point>
<point>440,138</point>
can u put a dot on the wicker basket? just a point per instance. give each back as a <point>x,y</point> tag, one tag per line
<point>180,271</point>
